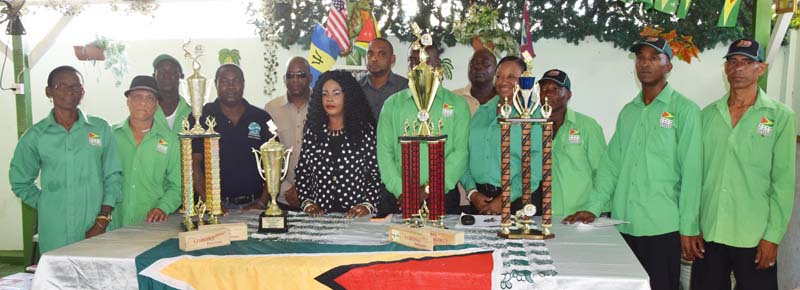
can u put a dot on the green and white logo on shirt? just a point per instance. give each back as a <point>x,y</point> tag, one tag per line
<point>95,140</point>
<point>765,127</point>
<point>574,136</point>
<point>666,120</point>
<point>161,147</point>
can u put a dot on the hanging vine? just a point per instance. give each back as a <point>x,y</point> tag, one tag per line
<point>572,20</point>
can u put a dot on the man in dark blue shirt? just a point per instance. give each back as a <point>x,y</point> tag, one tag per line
<point>241,127</point>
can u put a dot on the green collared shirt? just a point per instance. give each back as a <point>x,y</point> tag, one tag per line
<point>650,174</point>
<point>749,173</point>
<point>151,173</point>
<point>484,152</point>
<point>577,150</point>
<point>181,112</point>
<point>398,109</point>
<point>80,172</point>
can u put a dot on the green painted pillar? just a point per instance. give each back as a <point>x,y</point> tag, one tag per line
<point>761,30</point>
<point>22,77</point>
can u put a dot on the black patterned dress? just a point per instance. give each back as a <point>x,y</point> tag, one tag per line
<point>337,173</point>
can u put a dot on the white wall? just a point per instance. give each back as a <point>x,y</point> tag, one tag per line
<point>602,76</point>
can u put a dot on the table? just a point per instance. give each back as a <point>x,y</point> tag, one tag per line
<point>584,257</point>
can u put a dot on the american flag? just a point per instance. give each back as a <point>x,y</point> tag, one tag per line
<point>337,24</point>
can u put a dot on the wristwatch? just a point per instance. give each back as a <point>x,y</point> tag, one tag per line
<point>104,216</point>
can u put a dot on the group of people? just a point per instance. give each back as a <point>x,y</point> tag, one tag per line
<point>714,185</point>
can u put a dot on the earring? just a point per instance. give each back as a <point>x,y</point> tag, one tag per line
<point>51,99</point>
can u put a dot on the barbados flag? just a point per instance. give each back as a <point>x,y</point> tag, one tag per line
<point>322,54</point>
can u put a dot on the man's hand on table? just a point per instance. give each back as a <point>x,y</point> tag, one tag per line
<point>156,215</point>
<point>98,228</point>
<point>692,247</point>
<point>480,201</point>
<point>494,206</point>
<point>581,216</point>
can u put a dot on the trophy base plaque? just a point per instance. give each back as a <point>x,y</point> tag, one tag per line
<point>519,234</point>
<point>272,223</point>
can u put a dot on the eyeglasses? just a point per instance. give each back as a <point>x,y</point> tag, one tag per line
<point>77,88</point>
<point>298,75</point>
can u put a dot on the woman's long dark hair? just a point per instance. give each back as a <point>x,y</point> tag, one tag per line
<point>357,114</point>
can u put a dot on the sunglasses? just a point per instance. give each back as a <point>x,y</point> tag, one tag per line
<point>298,75</point>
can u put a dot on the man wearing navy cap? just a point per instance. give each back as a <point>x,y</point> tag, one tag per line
<point>748,178</point>
<point>650,175</point>
<point>150,154</point>
<point>577,149</point>
<point>172,108</point>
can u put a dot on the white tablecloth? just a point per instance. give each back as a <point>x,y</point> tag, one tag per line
<point>585,258</point>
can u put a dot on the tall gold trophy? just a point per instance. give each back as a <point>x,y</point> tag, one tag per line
<point>198,89</point>
<point>275,159</point>
<point>526,102</point>
<point>423,82</point>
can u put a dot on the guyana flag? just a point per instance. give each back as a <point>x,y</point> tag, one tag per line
<point>729,13</point>
<point>683,9</point>
<point>256,264</point>
<point>666,6</point>
<point>369,31</point>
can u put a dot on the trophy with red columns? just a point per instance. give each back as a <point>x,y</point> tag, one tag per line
<point>423,82</point>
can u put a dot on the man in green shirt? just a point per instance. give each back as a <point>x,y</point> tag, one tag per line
<point>78,162</point>
<point>650,175</point>
<point>577,149</point>
<point>399,108</point>
<point>150,155</point>
<point>172,107</point>
<point>748,178</point>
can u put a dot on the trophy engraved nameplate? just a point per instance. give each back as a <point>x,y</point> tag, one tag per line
<point>272,159</point>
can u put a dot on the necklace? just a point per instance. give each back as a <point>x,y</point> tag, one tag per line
<point>334,133</point>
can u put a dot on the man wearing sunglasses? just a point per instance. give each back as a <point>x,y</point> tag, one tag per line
<point>381,82</point>
<point>289,114</point>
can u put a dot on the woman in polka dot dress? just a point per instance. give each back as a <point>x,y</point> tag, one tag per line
<point>338,170</point>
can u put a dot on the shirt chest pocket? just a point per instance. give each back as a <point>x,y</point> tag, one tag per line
<point>758,153</point>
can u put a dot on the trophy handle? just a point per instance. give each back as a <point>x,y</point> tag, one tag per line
<point>286,155</point>
<point>518,100</point>
<point>256,153</point>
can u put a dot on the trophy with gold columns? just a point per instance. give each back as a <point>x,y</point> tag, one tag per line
<point>198,88</point>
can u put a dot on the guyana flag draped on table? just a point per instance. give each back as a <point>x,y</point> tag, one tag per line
<point>257,264</point>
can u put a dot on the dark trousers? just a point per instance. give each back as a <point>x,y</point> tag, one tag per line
<point>388,203</point>
<point>660,256</point>
<point>713,272</point>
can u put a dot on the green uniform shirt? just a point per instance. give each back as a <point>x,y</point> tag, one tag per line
<point>400,107</point>
<point>484,151</point>
<point>151,173</point>
<point>181,112</point>
<point>80,172</point>
<point>577,150</point>
<point>748,173</point>
<point>650,174</point>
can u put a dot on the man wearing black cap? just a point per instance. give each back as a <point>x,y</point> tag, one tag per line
<point>173,108</point>
<point>150,155</point>
<point>650,175</point>
<point>577,149</point>
<point>242,127</point>
<point>749,178</point>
